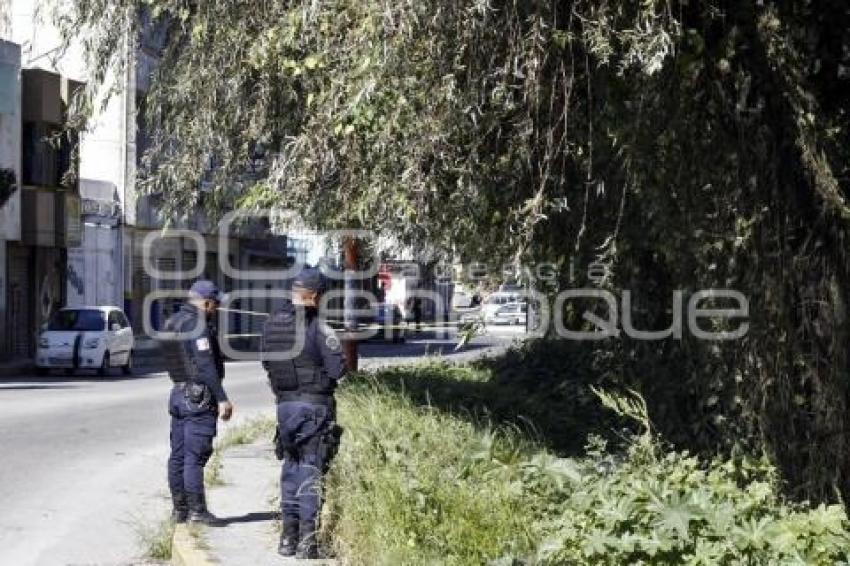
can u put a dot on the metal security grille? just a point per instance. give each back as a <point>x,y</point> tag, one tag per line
<point>19,309</point>
<point>190,262</point>
<point>165,264</point>
<point>166,307</point>
<point>142,285</point>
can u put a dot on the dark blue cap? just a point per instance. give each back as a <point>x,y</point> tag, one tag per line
<point>204,289</point>
<point>310,279</point>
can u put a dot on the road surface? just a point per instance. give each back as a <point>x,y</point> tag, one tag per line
<point>83,458</point>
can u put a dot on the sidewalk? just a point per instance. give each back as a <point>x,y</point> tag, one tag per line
<point>248,503</point>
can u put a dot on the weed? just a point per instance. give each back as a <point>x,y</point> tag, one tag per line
<point>422,483</point>
<point>156,539</point>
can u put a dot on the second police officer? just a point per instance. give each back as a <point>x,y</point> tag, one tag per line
<point>303,383</point>
<point>196,367</point>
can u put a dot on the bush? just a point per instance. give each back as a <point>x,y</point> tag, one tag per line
<point>669,508</point>
<point>417,485</point>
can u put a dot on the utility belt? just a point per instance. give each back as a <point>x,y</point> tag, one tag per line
<point>312,379</point>
<point>327,446</point>
<point>198,395</point>
<point>326,399</point>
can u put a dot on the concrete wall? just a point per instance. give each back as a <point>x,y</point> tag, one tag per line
<point>3,293</point>
<point>110,135</point>
<point>98,255</point>
<point>10,135</point>
<point>10,158</point>
<point>107,151</point>
<point>95,267</point>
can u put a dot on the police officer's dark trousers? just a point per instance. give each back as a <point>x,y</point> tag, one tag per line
<point>302,426</point>
<point>192,431</point>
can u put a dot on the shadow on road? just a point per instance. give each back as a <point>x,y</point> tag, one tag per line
<point>250,518</point>
<point>370,350</point>
<point>27,387</point>
<point>57,380</point>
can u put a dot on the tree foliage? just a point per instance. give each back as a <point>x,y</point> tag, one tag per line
<point>685,144</point>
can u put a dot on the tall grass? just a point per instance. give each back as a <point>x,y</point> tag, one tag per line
<point>418,483</point>
<point>414,486</point>
<point>155,540</point>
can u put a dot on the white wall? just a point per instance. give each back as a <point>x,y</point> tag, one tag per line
<point>107,152</point>
<point>10,158</point>
<point>98,255</point>
<point>10,140</point>
<point>110,135</point>
<point>32,28</point>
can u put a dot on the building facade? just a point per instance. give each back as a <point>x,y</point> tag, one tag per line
<point>82,241</point>
<point>41,212</point>
<point>10,175</point>
<point>48,265</point>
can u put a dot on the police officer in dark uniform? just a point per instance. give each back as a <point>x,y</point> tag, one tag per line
<point>196,367</point>
<point>303,383</point>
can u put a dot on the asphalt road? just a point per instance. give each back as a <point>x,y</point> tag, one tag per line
<point>83,458</point>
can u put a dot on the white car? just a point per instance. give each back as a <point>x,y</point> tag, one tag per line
<point>466,316</point>
<point>511,313</point>
<point>496,301</point>
<point>86,338</point>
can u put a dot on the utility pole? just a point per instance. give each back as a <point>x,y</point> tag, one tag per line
<point>349,344</point>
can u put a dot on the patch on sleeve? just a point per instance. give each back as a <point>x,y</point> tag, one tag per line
<point>332,342</point>
<point>203,344</point>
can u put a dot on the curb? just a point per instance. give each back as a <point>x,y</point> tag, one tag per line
<point>185,550</point>
<point>15,369</point>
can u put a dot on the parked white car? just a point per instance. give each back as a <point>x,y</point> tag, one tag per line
<point>86,338</point>
<point>467,316</point>
<point>511,313</point>
<point>496,301</point>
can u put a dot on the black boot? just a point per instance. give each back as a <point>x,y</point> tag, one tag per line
<point>181,507</point>
<point>288,538</point>
<point>198,512</point>
<point>308,547</point>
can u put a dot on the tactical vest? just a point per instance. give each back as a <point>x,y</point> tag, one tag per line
<point>178,362</point>
<point>305,372</point>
